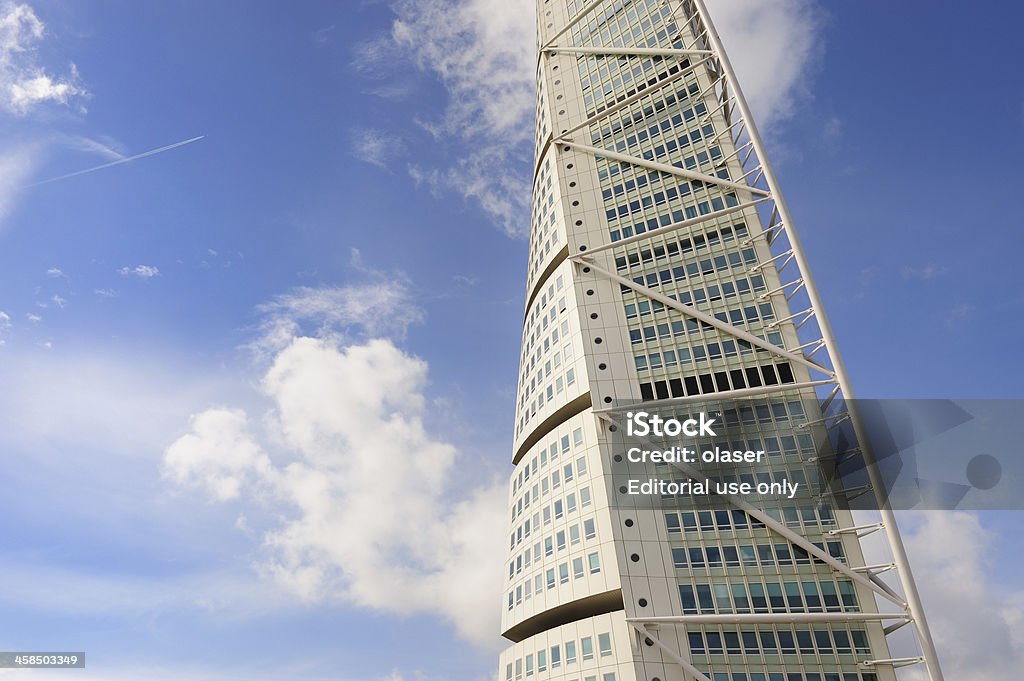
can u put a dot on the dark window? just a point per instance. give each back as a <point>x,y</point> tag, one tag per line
<point>661,389</point>
<point>677,387</point>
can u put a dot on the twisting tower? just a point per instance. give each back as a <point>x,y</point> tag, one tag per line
<point>665,271</point>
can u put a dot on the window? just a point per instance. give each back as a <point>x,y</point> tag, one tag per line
<point>595,564</point>
<point>551,578</point>
<point>588,528</point>
<point>587,648</point>
<point>604,644</point>
<point>577,568</point>
<point>570,652</point>
<point>563,573</point>
<point>556,657</point>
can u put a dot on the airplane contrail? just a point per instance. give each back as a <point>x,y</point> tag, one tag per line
<point>118,162</point>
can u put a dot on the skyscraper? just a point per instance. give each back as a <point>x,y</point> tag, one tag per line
<point>665,274</point>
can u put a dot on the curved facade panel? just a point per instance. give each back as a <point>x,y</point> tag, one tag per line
<point>663,272</point>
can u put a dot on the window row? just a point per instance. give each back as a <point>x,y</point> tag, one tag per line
<point>549,483</point>
<point>749,555</point>
<point>544,372</point>
<point>755,597</point>
<point>737,260</point>
<point>567,653</point>
<point>768,642</point>
<point>554,576</point>
<point>631,120</point>
<point>550,544</point>
<point>671,249</point>
<point>643,204</point>
<point>534,524</point>
<point>793,676</point>
<point>724,521</point>
<point>720,381</point>
<point>749,315</point>
<point>540,460</point>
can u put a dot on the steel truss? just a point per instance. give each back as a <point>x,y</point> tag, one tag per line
<point>757,189</point>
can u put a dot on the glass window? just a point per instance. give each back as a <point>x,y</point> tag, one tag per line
<point>604,644</point>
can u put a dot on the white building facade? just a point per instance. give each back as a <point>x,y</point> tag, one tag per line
<point>664,270</point>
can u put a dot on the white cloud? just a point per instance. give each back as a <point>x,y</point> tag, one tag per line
<point>772,46</point>
<point>379,307</point>
<point>140,271</point>
<point>34,318</point>
<point>17,164</point>
<point>925,272</point>
<point>23,82</point>
<point>55,272</point>
<point>978,626</point>
<point>5,325</point>
<point>482,51</point>
<point>105,292</point>
<point>217,454</point>
<point>61,303</point>
<point>376,147</point>
<point>959,313</point>
<point>370,499</point>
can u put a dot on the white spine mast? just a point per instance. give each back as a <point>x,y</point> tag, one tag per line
<point>698,12</point>
<point>665,270</point>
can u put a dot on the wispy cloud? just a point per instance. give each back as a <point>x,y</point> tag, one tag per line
<point>5,325</point>
<point>105,292</point>
<point>924,272</point>
<point>482,51</point>
<point>55,272</point>
<point>322,36</point>
<point>24,83</point>
<point>17,164</point>
<point>959,313</point>
<point>106,147</point>
<point>140,271</point>
<point>376,147</point>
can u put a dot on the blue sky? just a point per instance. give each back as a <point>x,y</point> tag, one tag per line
<point>350,229</point>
